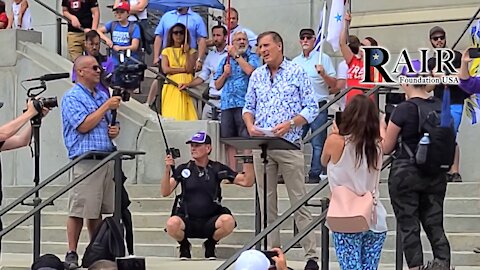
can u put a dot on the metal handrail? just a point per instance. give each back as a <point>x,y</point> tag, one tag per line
<point>117,156</point>
<point>47,181</point>
<point>274,225</point>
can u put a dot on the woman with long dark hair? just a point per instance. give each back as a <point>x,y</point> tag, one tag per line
<point>178,62</point>
<point>416,197</point>
<point>353,157</point>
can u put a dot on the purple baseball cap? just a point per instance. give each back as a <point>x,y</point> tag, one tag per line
<point>417,66</point>
<point>200,137</point>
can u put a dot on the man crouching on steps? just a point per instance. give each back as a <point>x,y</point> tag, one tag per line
<point>199,213</point>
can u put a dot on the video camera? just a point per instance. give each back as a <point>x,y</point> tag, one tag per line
<point>128,75</point>
<point>39,104</point>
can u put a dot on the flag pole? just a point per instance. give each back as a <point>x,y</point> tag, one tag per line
<point>229,28</point>
<point>322,34</point>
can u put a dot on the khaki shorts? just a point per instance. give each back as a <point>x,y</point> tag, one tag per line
<point>75,42</point>
<point>93,196</point>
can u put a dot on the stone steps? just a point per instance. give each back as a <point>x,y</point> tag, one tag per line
<point>150,213</point>
<point>460,242</point>
<point>462,258</point>
<point>469,206</point>
<point>455,190</point>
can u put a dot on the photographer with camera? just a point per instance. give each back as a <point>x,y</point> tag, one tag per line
<point>262,260</point>
<point>468,83</point>
<point>11,138</point>
<point>199,213</point>
<point>86,122</point>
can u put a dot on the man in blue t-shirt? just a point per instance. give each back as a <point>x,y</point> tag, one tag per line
<point>125,34</point>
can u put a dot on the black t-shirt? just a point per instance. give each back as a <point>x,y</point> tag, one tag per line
<point>405,116</point>
<point>201,187</point>
<point>457,95</point>
<point>82,9</point>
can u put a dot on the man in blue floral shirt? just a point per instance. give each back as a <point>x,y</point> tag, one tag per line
<point>280,98</point>
<point>232,79</point>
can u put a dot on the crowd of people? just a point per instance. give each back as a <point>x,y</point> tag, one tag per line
<point>258,91</point>
<point>20,16</point>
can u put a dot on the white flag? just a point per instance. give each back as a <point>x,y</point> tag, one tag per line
<point>335,23</point>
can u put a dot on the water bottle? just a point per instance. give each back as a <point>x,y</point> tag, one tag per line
<point>422,151</point>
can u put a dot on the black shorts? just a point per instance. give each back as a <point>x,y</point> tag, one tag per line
<point>232,125</point>
<point>202,227</point>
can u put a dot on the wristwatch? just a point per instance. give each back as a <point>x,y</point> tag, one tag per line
<point>292,124</point>
<point>237,56</point>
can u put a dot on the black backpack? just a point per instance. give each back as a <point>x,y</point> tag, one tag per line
<point>441,150</point>
<point>106,244</point>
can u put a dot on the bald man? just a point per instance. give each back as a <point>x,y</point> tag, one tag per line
<point>86,119</point>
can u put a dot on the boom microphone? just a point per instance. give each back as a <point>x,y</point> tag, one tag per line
<point>50,77</point>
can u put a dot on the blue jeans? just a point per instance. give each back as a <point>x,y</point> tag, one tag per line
<point>359,251</point>
<point>318,141</point>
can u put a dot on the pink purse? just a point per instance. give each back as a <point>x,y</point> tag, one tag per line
<point>349,212</point>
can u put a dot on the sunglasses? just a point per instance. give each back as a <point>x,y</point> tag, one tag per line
<point>308,37</point>
<point>438,38</point>
<point>178,32</point>
<point>97,68</point>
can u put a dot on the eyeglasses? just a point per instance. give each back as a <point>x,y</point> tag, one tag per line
<point>306,37</point>
<point>438,38</point>
<point>178,32</point>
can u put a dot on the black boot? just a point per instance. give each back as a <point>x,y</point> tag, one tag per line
<point>209,246</point>
<point>185,250</point>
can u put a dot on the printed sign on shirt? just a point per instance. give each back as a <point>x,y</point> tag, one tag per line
<point>120,37</point>
<point>75,4</point>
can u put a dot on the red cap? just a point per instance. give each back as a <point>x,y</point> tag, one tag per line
<point>123,6</point>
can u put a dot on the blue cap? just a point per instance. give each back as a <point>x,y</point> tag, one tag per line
<point>200,137</point>
<point>417,66</point>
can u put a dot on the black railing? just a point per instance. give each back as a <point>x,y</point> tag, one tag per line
<point>368,92</point>
<point>116,156</point>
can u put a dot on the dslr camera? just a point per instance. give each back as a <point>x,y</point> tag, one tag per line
<point>39,104</point>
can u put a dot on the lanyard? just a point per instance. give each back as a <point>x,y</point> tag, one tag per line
<point>90,94</point>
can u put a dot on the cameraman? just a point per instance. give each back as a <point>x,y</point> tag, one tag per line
<point>200,214</point>
<point>11,138</point>
<point>468,83</point>
<point>87,127</point>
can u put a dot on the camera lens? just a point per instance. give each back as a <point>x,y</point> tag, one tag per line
<point>49,103</point>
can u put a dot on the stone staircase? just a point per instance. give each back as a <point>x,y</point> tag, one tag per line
<point>150,212</point>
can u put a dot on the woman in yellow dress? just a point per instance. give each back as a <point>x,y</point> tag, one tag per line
<point>178,63</point>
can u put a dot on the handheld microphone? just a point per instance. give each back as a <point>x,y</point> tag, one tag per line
<point>50,77</point>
